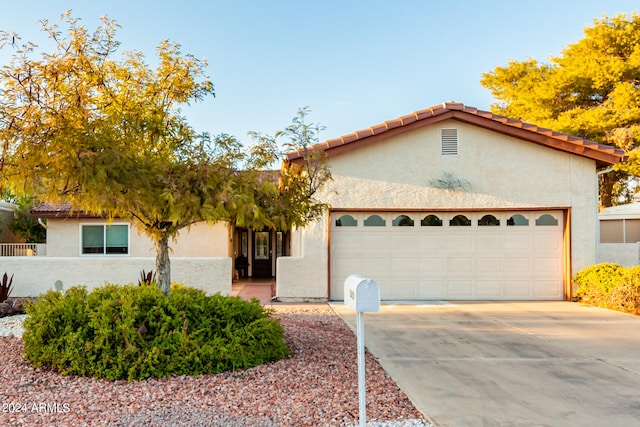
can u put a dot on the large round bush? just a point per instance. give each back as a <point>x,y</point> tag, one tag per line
<point>596,281</point>
<point>135,332</point>
<point>610,286</point>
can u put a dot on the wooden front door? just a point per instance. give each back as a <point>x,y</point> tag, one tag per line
<point>262,254</point>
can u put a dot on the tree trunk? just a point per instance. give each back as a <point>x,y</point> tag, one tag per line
<point>163,265</point>
<point>607,181</point>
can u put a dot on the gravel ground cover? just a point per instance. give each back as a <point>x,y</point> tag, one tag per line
<point>316,386</point>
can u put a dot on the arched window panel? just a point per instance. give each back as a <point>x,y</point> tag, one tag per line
<point>460,221</point>
<point>346,221</point>
<point>403,221</point>
<point>488,220</point>
<point>375,221</point>
<point>518,220</point>
<point>547,219</point>
<point>431,221</point>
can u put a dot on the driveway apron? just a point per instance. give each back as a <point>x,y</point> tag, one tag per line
<point>510,364</point>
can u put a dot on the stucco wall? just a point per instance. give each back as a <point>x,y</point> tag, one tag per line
<point>300,276</point>
<point>626,254</point>
<point>35,275</point>
<point>494,171</point>
<point>201,240</point>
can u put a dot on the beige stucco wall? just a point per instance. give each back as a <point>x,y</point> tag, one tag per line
<point>35,275</point>
<point>626,254</point>
<point>496,171</point>
<point>201,240</point>
<point>199,258</point>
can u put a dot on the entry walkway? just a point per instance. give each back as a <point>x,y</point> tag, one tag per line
<point>262,289</point>
<point>510,364</point>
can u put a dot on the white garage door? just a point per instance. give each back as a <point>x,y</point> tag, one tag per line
<point>453,256</point>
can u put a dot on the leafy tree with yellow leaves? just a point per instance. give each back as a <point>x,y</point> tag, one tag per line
<point>592,90</point>
<point>105,134</point>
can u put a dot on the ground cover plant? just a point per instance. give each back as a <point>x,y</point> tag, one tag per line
<point>609,285</point>
<point>136,332</point>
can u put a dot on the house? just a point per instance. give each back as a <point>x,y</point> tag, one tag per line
<point>620,235</point>
<point>7,211</point>
<point>449,202</point>
<point>452,203</point>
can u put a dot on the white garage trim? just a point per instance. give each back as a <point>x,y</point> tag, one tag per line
<point>501,255</point>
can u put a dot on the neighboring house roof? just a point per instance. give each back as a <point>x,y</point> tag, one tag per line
<point>57,210</point>
<point>628,211</point>
<point>602,154</point>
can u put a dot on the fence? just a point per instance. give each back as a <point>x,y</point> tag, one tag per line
<point>22,249</point>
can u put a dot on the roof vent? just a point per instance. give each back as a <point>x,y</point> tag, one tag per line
<point>449,142</point>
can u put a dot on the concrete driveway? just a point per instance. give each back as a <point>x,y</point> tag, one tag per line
<point>512,364</point>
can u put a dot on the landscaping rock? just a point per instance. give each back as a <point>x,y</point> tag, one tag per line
<point>13,306</point>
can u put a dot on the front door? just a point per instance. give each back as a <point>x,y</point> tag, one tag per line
<point>262,254</point>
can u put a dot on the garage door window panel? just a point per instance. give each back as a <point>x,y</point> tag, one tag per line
<point>460,221</point>
<point>547,220</point>
<point>489,220</point>
<point>346,221</point>
<point>431,221</point>
<point>518,220</point>
<point>403,221</point>
<point>375,221</point>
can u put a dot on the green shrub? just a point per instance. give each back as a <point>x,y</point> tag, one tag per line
<point>625,298</point>
<point>595,282</point>
<point>136,332</point>
<point>610,286</point>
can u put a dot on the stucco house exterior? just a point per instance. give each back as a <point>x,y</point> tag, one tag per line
<point>446,203</point>
<point>620,235</point>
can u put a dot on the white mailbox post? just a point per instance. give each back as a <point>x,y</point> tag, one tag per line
<point>362,295</point>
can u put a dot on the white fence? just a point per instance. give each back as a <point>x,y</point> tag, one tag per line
<point>23,249</point>
<point>35,275</point>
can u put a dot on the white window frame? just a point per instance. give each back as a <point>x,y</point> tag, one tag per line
<point>104,228</point>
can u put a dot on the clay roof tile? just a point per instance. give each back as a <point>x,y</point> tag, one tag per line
<point>601,153</point>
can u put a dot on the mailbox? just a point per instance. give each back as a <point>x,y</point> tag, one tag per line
<point>361,294</point>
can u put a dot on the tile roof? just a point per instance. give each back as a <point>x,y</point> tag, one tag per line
<point>602,154</point>
<point>58,210</point>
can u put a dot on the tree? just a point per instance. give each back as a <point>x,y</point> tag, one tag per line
<point>592,90</point>
<point>24,225</point>
<point>106,135</point>
<point>294,203</point>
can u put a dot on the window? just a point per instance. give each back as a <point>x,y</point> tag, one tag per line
<point>620,231</point>
<point>105,239</point>
<point>518,220</point>
<point>403,221</point>
<point>612,231</point>
<point>449,142</point>
<point>489,220</point>
<point>546,219</point>
<point>632,230</point>
<point>431,221</point>
<point>374,221</point>
<point>279,243</point>
<point>459,220</point>
<point>346,221</point>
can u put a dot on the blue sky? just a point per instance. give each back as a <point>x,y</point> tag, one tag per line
<point>354,63</point>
